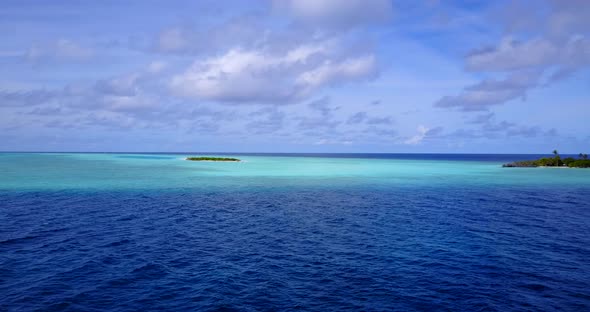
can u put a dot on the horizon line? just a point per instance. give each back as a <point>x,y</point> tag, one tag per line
<point>301,153</point>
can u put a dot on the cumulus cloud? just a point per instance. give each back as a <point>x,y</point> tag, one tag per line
<point>122,93</point>
<point>333,72</point>
<point>551,46</point>
<point>120,102</point>
<point>336,13</point>
<point>258,76</point>
<point>535,53</point>
<point>511,55</point>
<point>481,96</point>
<point>248,59</point>
<point>423,133</point>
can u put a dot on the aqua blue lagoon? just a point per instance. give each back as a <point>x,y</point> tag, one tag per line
<point>131,232</point>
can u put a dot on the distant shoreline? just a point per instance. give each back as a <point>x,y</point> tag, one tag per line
<point>213,159</point>
<point>552,162</point>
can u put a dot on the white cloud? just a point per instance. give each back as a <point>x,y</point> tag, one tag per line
<point>490,92</point>
<point>333,72</point>
<point>422,131</point>
<point>510,55</point>
<point>535,53</point>
<point>259,76</point>
<point>556,44</point>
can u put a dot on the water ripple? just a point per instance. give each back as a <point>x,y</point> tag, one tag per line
<point>469,249</point>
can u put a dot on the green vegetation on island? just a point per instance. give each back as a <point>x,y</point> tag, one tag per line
<point>207,158</point>
<point>570,162</point>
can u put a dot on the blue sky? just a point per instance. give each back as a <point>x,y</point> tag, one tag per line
<point>295,76</point>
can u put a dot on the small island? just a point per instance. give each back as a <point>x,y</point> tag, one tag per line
<point>569,162</point>
<point>207,158</point>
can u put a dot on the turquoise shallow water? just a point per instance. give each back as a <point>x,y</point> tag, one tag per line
<point>153,232</point>
<point>159,171</point>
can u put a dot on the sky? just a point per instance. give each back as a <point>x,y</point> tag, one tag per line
<point>360,76</point>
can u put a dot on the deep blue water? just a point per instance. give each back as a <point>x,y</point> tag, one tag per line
<point>361,245</point>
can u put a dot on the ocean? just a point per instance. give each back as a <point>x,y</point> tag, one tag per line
<point>284,232</point>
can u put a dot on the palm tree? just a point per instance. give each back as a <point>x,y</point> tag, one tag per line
<point>580,155</point>
<point>585,156</point>
<point>556,153</point>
